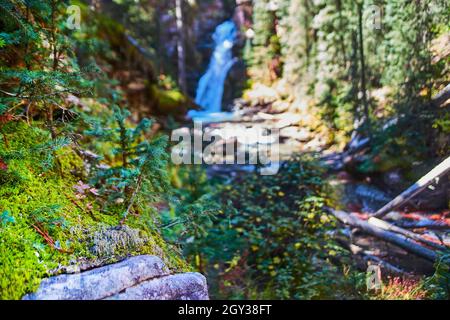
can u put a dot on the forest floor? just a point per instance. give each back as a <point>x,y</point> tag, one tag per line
<point>301,132</point>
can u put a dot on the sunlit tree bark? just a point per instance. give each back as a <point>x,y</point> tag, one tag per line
<point>181,46</point>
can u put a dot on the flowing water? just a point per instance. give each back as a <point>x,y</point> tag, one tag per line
<point>211,85</point>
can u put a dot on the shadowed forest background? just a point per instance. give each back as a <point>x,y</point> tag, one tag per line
<point>90,92</point>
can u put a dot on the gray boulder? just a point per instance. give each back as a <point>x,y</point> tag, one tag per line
<point>101,282</point>
<point>185,286</point>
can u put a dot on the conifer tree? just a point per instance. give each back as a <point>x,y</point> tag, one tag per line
<point>266,42</point>
<point>138,175</point>
<point>37,70</point>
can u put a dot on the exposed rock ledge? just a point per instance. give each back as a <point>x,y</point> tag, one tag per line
<point>137,278</point>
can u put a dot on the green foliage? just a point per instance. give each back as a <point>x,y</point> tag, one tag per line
<point>32,84</point>
<point>265,44</point>
<point>44,222</point>
<point>193,206</point>
<point>6,218</point>
<point>271,239</point>
<point>410,29</point>
<point>443,124</point>
<point>138,172</point>
<point>438,285</point>
<point>51,216</point>
<point>321,56</point>
<point>254,237</point>
<point>295,39</point>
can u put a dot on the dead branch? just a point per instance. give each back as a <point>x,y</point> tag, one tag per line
<point>367,256</point>
<point>441,97</point>
<point>414,236</point>
<point>415,189</point>
<point>388,236</point>
<point>39,229</point>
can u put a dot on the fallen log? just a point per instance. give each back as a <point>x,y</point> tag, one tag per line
<point>414,236</point>
<point>357,144</point>
<point>426,224</point>
<point>367,256</point>
<point>441,97</point>
<point>415,189</point>
<point>390,268</point>
<point>388,236</point>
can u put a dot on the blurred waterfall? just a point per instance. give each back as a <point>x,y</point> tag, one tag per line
<point>211,85</point>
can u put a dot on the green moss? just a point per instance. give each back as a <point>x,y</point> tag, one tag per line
<point>46,200</point>
<point>20,265</point>
<point>170,102</point>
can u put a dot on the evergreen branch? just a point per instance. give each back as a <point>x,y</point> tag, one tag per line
<point>133,198</point>
<point>51,94</point>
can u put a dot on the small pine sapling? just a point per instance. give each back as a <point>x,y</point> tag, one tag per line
<point>137,174</point>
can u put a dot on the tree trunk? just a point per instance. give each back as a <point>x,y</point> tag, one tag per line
<point>363,72</point>
<point>341,31</point>
<point>415,189</point>
<point>181,46</point>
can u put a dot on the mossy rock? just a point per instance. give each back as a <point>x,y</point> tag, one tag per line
<point>33,200</point>
<point>171,102</point>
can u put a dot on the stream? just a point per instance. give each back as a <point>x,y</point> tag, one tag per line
<point>235,128</point>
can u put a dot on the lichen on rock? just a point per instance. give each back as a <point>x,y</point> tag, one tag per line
<point>109,241</point>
